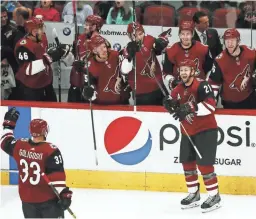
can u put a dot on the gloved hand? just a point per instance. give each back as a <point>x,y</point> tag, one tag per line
<point>161,43</point>
<point>79,65</point>
<point>184,110</point>
<point>11,118</point>
<point>56,53</point>
<point>170,104</point>
<point>89,93</point>
<point>132,48</point>
<point>65,198</point>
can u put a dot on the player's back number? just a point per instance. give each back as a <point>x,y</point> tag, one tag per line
<point>23,56</point>
<point>34,179</point>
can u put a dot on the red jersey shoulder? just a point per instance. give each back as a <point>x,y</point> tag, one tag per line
<point>149,38</point>
<point>172,50</point>
<point>24,42</point>
<point>113,53</point>
<point>250,52</point>
<point>201,47</point>
<point>49,147</point>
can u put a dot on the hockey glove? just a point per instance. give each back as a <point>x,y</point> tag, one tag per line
<point>131,49</point>
<point>10,119</point>
<point>160,44</point>
<point>79,65</point>
<point>56,53</point>
<point>89,93</point>
<point>185,110</point>
<point>65,198</point>
<point>170,105</point>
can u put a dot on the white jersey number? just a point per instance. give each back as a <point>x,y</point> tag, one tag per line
<point>207,89</point>
<point>35,179</point>
<point>23,56</point>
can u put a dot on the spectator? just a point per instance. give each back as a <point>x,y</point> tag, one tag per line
<point>47,11</point>
<point>82,12</point>
<point>247,17</point>
<point>206,35</point>
<point>121,13</point>
<point>8,30</point>
<point>28,4</point>
<point>20,16</point>
<point>101,8</point>
<point>59,6</point>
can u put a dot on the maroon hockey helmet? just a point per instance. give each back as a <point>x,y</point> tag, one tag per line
<point>231,33</point>
<point>33,23</point>
<point>134,25</point>
<point>96,41</point>
<point>186,25</point>
<point>187,62</point>
<point>38,127</point>
<point>95,19</point>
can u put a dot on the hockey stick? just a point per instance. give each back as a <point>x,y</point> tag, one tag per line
<point>76,29</point>
<point>134,59</point>
<point>56,192</point>
<point>89,84</point>
<point>55,36</point>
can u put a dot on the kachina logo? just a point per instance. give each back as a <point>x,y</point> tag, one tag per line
<point>127,140</point>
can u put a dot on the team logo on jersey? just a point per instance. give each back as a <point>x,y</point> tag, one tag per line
<point>197,71</point>
<point>114,83</point>
<point>150,62</point>
<point>241,80</point>
<point>192,98</point>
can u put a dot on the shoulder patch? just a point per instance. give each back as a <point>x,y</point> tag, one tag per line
<point>53,146</point>
<point>23,42</point>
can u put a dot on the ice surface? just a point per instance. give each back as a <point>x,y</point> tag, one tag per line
<point>115,204</point>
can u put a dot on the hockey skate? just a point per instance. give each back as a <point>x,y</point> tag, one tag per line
<point>211,203</point>
<point>191,201</point>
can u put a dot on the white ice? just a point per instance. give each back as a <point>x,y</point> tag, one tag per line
<point>114,204</point>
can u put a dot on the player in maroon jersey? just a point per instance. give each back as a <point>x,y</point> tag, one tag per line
<point>82,47</point>
<point>192,102</point>
<point>186,49</point>
<point>234,70</point>
<point>107,85</point>
<point>35,156</point>
<point>145,48</point>
<point>35,72</point>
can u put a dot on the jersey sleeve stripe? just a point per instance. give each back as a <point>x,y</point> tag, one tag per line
<point>35,67</point>
<point>209,106</point>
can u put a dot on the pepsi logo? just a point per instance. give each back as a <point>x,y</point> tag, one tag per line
<point>128,141</point>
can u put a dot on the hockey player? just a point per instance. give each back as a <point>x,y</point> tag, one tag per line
<point>145,48</point>
<point>93,24</point>
<point>35,156</point>
<point>35,72</point>
<point>186,49</point>
<point>192,102</point>
<point>234,70</point>
<point>107,86</point>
